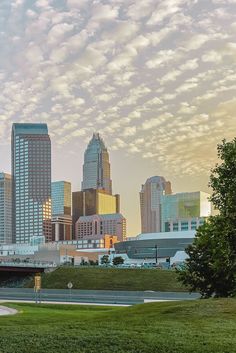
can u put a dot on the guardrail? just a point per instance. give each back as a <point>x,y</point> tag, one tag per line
<point>28,264</point>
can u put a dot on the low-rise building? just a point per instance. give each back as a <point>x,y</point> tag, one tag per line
<point>184,211</point>
<point>97,226</point>
<point>154,248</point>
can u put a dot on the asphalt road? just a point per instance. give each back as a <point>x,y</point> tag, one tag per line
<point>93,296</point>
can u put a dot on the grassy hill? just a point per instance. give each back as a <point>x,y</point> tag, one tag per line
<point>111,278</point>
<point>173,327</point>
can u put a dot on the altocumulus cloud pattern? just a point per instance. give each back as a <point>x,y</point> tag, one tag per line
<point>157,77</point>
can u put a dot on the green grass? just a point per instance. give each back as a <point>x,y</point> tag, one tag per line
<point>203,326</point>
<point>114,279</point>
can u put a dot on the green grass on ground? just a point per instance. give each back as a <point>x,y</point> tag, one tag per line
<point>111,278</point>
<point>202,326</point>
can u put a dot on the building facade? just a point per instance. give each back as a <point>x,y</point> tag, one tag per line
<point>97,226</point>
<point>150,203</point>
<point>5,208</point>
<point>183,224</point>
<point>96,168</point>
<point>185,211</point>
<point>155,248</point>
<point>31,182</point>
<point>91,202</point>
<point>61,211</point>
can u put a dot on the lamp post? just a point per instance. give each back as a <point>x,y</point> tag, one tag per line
<point>156,253</point>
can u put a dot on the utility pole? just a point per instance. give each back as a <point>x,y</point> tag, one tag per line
<point>156,253</point>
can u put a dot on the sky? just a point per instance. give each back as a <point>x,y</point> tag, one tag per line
<point>155,78</point>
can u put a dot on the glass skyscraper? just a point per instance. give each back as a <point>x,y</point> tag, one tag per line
<point>31,182</point>
<point>96,168</point>
<point>5,208</point>
<point>61,198</point>
<point>61,211</point>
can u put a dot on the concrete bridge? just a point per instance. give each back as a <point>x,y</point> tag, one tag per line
<point>26,266</point>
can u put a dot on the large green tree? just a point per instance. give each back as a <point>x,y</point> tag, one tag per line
<point>211,266</point>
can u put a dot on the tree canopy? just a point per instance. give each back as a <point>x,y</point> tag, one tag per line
<point>211,266</point>
<point>118,260</point>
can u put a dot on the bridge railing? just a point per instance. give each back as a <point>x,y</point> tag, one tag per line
<point>35,264</point>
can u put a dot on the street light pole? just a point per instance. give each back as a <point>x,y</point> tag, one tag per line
<point>156,253</point>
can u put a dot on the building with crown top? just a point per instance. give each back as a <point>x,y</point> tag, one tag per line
<point>95,201</point>
<point>96,168</point>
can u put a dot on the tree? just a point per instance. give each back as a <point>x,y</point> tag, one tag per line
<point>211,266</point>
<point>93,263</point>
<point>118,260</point>
<point>105,260</point>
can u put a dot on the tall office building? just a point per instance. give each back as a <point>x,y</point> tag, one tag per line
<point>150,203</point>
<point>5,208</point>
<point>184,211</point>
<point>31,182</point>
<point>90,202</point>
<point>96,168</point>
<point>95,201</point>
<point>61,211</point>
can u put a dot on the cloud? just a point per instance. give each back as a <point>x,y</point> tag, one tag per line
<point>162,58</point>
<point>157,78</point>
<point>129,131</point>
<point>75,4</point>
<point>196,41</point>
<point>170,76</point>
<point>212,56</point>
<point>164,10</point>
<point>154,122</point>
<point>121,31</point>
<point>102,12</point>
<point>190,65</point>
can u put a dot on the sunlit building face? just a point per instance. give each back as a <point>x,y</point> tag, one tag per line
<point>31,173</point>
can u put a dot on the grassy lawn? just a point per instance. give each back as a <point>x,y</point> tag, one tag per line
<point>174,327</point>
<point>111,278</point>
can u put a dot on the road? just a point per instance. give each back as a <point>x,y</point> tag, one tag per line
<point>93,296</point>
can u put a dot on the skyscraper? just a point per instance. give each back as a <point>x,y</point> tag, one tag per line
<point>31,182</point>
<point>95,201</point>
<point>61,211</point>
<point>96,168</point>
<point>5,209</point>
<point>150,203</point>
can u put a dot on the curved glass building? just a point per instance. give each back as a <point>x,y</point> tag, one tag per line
<point>96,168</point>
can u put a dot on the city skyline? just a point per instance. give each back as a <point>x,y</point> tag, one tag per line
<point>156,79</point>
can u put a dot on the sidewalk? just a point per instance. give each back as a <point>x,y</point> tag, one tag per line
<point>7,311</point>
